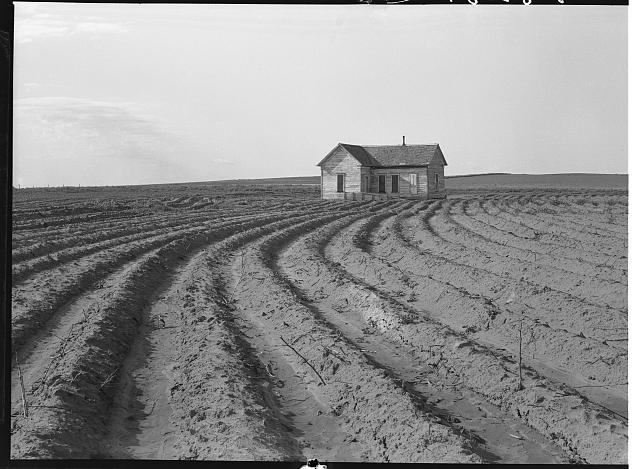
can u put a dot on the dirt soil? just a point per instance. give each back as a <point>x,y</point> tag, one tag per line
<point>261,323</point>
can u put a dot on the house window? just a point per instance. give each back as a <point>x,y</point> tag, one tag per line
<point>394,183</point>
<point>413,183</point>
<point>381,183</point>
<point>437,177</point>
<point>340,182</point>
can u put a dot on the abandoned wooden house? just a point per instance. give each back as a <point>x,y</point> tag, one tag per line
<point>366,172</point>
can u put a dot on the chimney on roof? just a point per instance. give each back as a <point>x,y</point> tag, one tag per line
<point>403,141</point>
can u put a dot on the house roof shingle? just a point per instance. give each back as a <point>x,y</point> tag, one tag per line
<point>390,155</point>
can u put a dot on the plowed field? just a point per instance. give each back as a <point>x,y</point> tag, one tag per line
<point>261,323</point>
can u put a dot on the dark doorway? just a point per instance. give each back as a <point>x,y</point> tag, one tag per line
<point>381,183</point>
<point>340,182</point>
<point>394,183</point>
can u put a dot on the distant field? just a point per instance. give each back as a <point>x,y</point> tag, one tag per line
<point>570,180</point>
<point>475,181</point>
<point>305,180</point>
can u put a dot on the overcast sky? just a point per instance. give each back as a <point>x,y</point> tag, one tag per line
<point>136,94</point>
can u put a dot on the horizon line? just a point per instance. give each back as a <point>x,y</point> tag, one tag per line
<point>307,177</point>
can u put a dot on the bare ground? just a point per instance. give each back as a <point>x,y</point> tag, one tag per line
<point>244,324</point>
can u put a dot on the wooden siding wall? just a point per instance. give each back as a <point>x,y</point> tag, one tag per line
<point>404,181</point>
<point>440,191</point>
<point>340,162</point>
<point>366,171</point>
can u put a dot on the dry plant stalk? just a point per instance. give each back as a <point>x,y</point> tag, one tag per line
<point>25,409</point>
<point>304,359</point>
<point>108,380</point>
<point>520,387</point>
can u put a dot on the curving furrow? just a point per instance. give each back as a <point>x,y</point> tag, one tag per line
<point>577,226</point>
<point>67,206</point>
<point>105,317</point>
<point>603,253</point>
<point>519,279</point>
<point>82,247</point>
<point>562,211</point>
<point>565,204</point>
<point>48,238</point>
<point>590,247</point>
<point>596,285</point>
<point>497,283</point>
<point>357,310</point>
<point>24,238</point>
<point>250,328</point>
<point>393,272</point>
<point>598,202</point>
<point>24,243</point>
<point>223,402</point>
<point>615,226</point>
<point>379,420</point>
<point>564,255</point>
<point>70,368</point>
<point>92,339</point>
<point>36,300</point>
<point>47,222</point>
<point>59,239</point>
<point>569,221</point>
<point>459,362</point>
<point>64,237</point>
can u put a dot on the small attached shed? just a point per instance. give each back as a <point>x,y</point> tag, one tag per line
<point>365,172</point>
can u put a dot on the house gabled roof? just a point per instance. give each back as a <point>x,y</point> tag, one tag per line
<point>390,155</point>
